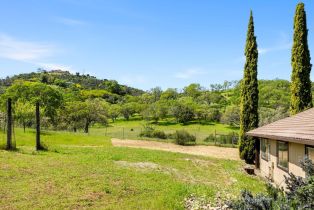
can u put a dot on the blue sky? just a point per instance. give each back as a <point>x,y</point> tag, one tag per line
<point>145,44</point>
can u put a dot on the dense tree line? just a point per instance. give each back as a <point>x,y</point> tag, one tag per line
<point>76,107</point>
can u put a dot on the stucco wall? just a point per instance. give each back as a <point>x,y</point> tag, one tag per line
<point>270,170</point>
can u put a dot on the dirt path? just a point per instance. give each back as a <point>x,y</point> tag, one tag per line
<point>210,151</point>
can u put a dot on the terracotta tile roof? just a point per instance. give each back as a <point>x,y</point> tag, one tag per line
<point>298,128</point>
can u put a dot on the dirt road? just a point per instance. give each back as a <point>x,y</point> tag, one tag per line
<point>210,151</point>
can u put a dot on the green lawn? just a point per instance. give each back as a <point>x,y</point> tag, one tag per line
<point>85,171</point>
<point>131,129</point>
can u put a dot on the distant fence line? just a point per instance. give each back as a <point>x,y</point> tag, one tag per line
<point>202,137</point>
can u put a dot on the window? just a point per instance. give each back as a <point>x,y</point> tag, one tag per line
<point>283,155</point>
<point>265,147</point>
<point>309,151</point>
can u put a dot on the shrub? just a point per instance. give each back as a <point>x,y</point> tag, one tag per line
<point>171,136</point>
<point>299,193</point>
<point>150,132</point>
<point>210,138</point>
<point>159,134</point>
<point>182,137</point>
<point>230,138</point>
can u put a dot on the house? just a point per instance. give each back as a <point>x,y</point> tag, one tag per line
<point>283,144</point>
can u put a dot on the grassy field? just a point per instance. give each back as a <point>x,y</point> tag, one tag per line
<point>85,171</point>
<point>131,129</point>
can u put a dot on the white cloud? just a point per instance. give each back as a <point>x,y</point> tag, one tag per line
<point>283,46</point>
<point>189,73</point>
<point>23,51</point>
<point>70,21</point>
<point>133,80</point>
<point>283,43</point>
<point>29,52</point>
<point>54,66</point>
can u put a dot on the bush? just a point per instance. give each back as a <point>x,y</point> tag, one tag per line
<point>159,134</point>
<point>171,136</point>
<point>230,138</point>
<point>182,137</point>
<point>150,132</point>
<point>299,193</point>
<point>210,138</point>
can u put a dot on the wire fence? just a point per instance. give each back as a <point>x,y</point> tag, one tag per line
<point>202,136</point>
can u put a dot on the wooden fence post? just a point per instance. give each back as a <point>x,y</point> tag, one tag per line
<point>9,124</point>
<point>215,137</point>
<point>38,146</point>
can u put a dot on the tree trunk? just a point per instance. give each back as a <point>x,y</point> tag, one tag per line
<point>86,126</point>
<point>9,128</point>
<point>74,129</point>
<point>24,126</point>
<point>38,146</point>
<point>257,152</point>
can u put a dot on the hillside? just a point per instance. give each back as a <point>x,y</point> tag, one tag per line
<point>219,103</point>
<point>64,79</point>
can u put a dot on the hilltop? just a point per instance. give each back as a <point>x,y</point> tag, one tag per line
<point>65,79</point>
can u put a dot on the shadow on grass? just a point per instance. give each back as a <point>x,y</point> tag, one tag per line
<point>168,123</point>
<point>199,123</point>
<point>13,149</point>
<point>233,127</point>
<point>42,132</point>
<point>165,123</point>
<point>187,144</point>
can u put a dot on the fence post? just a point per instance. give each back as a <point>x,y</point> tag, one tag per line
<point>38,146</point>
<point>215,137</point>
<point>9,128</point>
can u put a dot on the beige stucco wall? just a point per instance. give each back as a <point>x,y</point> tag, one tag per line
<point>296,153</point>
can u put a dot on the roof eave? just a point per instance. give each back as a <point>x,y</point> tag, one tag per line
<point>282,138</point>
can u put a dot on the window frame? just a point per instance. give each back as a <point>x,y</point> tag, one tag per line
<point>267,152</point>
<point>278,165</point>
<point>306,151</point>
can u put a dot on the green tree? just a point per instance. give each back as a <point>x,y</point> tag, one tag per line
<point>156,111</point>
<point>113,86</point>
<point>184,110</point>
<point>249,97</point>
<point>128,109</point>
<point>156,93</point>
<point>24,113</point>
<point>92,111</point>
<point>114,111</point>
<point>193,90</point>
<point>50,97</point>
<point>169,94</point>
<point>73,115</point>
<point>301,95</point>
<point>231,116</point>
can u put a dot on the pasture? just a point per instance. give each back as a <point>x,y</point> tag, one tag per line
<point>85,171</point>
<point>123,129</point>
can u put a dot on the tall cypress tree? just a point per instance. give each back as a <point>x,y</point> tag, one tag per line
<point>249,97</point>
<point>301,95</point>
